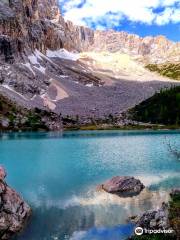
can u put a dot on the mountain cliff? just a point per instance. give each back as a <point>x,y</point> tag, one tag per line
<point>148,49</point>
<point>32,24</point>
<point>74,71</point>
<point>38,24</point>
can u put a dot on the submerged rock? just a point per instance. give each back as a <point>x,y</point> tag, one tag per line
<point>123,186</point>
<point>14,211</point>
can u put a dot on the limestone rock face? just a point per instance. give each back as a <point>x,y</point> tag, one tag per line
<point>123,186</point>
<point>14,212</point>
<point>48,9</point>
<point>38,24</point>
<point>149,49</point>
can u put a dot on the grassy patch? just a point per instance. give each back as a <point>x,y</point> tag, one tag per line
<point>174,214</point>
<point>170,70</point>
<point>14,117</point>
<point>127,127</point>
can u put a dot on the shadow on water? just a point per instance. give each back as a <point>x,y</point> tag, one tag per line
<point>80,134</point>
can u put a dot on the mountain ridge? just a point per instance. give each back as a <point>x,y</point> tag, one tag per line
<point>37,22</point>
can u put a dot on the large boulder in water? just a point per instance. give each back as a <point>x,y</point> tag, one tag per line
<point>14,211</point>
<point>123,186</point>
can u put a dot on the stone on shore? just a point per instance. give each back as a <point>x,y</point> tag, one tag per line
<point>2,173</point>
<point>154,219</point>
<point>14,211</point>
<point>123,186</point>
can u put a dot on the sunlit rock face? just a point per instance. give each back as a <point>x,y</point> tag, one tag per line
<point>31,24</point>
<point>149,49</point>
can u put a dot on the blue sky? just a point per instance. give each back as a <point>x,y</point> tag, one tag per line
<point>143,17</point>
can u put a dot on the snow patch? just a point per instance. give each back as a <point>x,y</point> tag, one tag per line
<point>89,85</point>
<point>63,76</point>
<point>62,53</point>
<point>11,89</point>
<point>41,69</point>
<point>4,67</point>
<point>33,59</point>
<point>37,55</point>
<point>41,55</point>
<point>28,65</point>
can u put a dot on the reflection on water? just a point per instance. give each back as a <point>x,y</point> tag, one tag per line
<point>58,174</point>
<point>115,233</point>
<point>85,134</point>
<point>97,214</point>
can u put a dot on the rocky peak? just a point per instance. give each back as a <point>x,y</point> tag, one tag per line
<point>148,49</point>
<point>38,24</point>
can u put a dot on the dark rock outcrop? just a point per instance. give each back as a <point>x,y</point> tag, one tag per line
<point>163,221</point>
<point>26,25</point>
<point>154,219</point>
<point>123,186</point>
<point>6,49</point>
<point>175,192</point>
<point>14,211</point>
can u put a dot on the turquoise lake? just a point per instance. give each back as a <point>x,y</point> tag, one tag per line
<point>58,174</point>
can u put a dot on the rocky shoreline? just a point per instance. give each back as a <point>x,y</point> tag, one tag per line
<point>14,211</point>
<point>160,224</point>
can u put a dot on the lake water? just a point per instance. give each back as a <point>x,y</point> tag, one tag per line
<point>57,174</point>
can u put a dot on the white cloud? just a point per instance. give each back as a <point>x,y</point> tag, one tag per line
<point>111,12</point>
<point>168,2</point>
<point>164,17</point>
<point>176,16</point>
